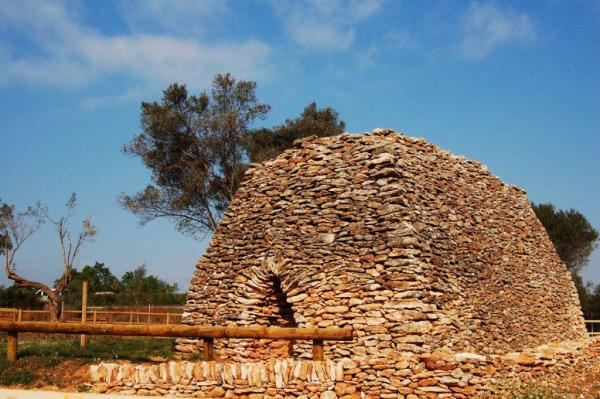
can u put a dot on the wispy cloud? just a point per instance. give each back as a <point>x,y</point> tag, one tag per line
<point>182,17</point>
<point>325,25</point>
<point>67,53</point>
<point>487,26</point>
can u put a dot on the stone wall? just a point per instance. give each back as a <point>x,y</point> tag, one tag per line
<point>441,374</point>
<point>424,254</point>
<point>413,247</point>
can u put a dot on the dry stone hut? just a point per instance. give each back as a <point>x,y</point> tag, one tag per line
<point>447,278</point>
<point>413,247</point>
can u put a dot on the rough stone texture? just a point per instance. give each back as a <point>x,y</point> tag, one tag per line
<point>442,270</point>
<point>413,247</point>
<point>441,374</point>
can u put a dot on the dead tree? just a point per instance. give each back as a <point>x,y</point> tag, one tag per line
<point>16,230</point>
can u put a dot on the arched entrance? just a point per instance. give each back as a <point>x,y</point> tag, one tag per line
<point>269,303</point>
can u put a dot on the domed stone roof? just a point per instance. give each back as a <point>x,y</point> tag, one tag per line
<point>413,247</point>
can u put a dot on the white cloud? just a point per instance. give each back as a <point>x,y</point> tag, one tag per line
<point>70,54</point>
<point>325,25</point>
<point>187,17</point>
<point>487,27</point>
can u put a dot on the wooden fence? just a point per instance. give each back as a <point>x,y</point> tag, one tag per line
<point>593,327</point>
<point>207,333</point>
<point>111,316</point>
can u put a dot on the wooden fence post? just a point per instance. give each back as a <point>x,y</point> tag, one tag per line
<point>11,346</point>
<point>168,318</point>
<point>209,349</point>
<point>94,320</point>
<point>84,296</point>
<point>20,315</point>
<point>318,349</point>
<point>131,317</point>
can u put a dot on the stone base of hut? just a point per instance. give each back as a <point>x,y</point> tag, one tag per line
<point>441,374</point>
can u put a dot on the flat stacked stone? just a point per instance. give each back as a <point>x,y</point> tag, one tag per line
<point>413,247</point>
<point>442,270</point>
<point>441,374</point>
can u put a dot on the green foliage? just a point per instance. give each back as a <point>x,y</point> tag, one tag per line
<point>571,233</point>
<point>589,297</point>
<point>194,148</point>
<point>102,285</point>
<point>41,359</point>
<point>6,215</point>
<point>574,239</point>
<point>139,289</point>
<point>11,376</point>
<point>197,149</point>
<point>266,144</point>
<point>24,298</point>
<point>136,287</point>
<point>109,348</point>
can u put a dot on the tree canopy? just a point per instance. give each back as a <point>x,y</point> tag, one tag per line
<point>197,149</point>
<point>138,288</point>
<point>18,297</point>
<point>571,233</point>
<point>194,149</point>
<point>100,280</point>
<point>574,239</point>
<point>135,287</point>
<point>268,143</point>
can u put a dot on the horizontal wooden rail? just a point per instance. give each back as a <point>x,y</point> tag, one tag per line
<point>329,334</point>
<point>94,315</point>
<point>207,333</point>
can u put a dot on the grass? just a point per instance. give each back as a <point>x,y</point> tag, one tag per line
<point>105,348</point>
<point>56,359</point>
<point>9,376</point>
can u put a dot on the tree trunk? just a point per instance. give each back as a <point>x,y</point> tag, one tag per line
<point>53,295</point>
<point>54,308</point>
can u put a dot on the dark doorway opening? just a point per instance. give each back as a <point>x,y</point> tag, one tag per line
<point>283,313</point>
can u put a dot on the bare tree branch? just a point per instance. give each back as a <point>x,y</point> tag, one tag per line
<point>16,230</point>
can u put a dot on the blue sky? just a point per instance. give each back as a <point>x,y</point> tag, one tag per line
<point>515,85</point>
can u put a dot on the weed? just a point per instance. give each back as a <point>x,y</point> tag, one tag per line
<point>41,358</point>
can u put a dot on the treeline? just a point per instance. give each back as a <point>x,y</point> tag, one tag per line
<point>589,296</point>
<point>574,239</point>
<point>135,287</point>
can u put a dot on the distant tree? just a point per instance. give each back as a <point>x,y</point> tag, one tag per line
<point>264,144</point>
<point>103,286</point>
<point>24,298</point>
<point>4,240</point>
<point>593,309</point>
<point>584,291</point>
<point>572,235</point>
<point>194,148</point>
<point>139,288</point>
<point>16,230</point>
